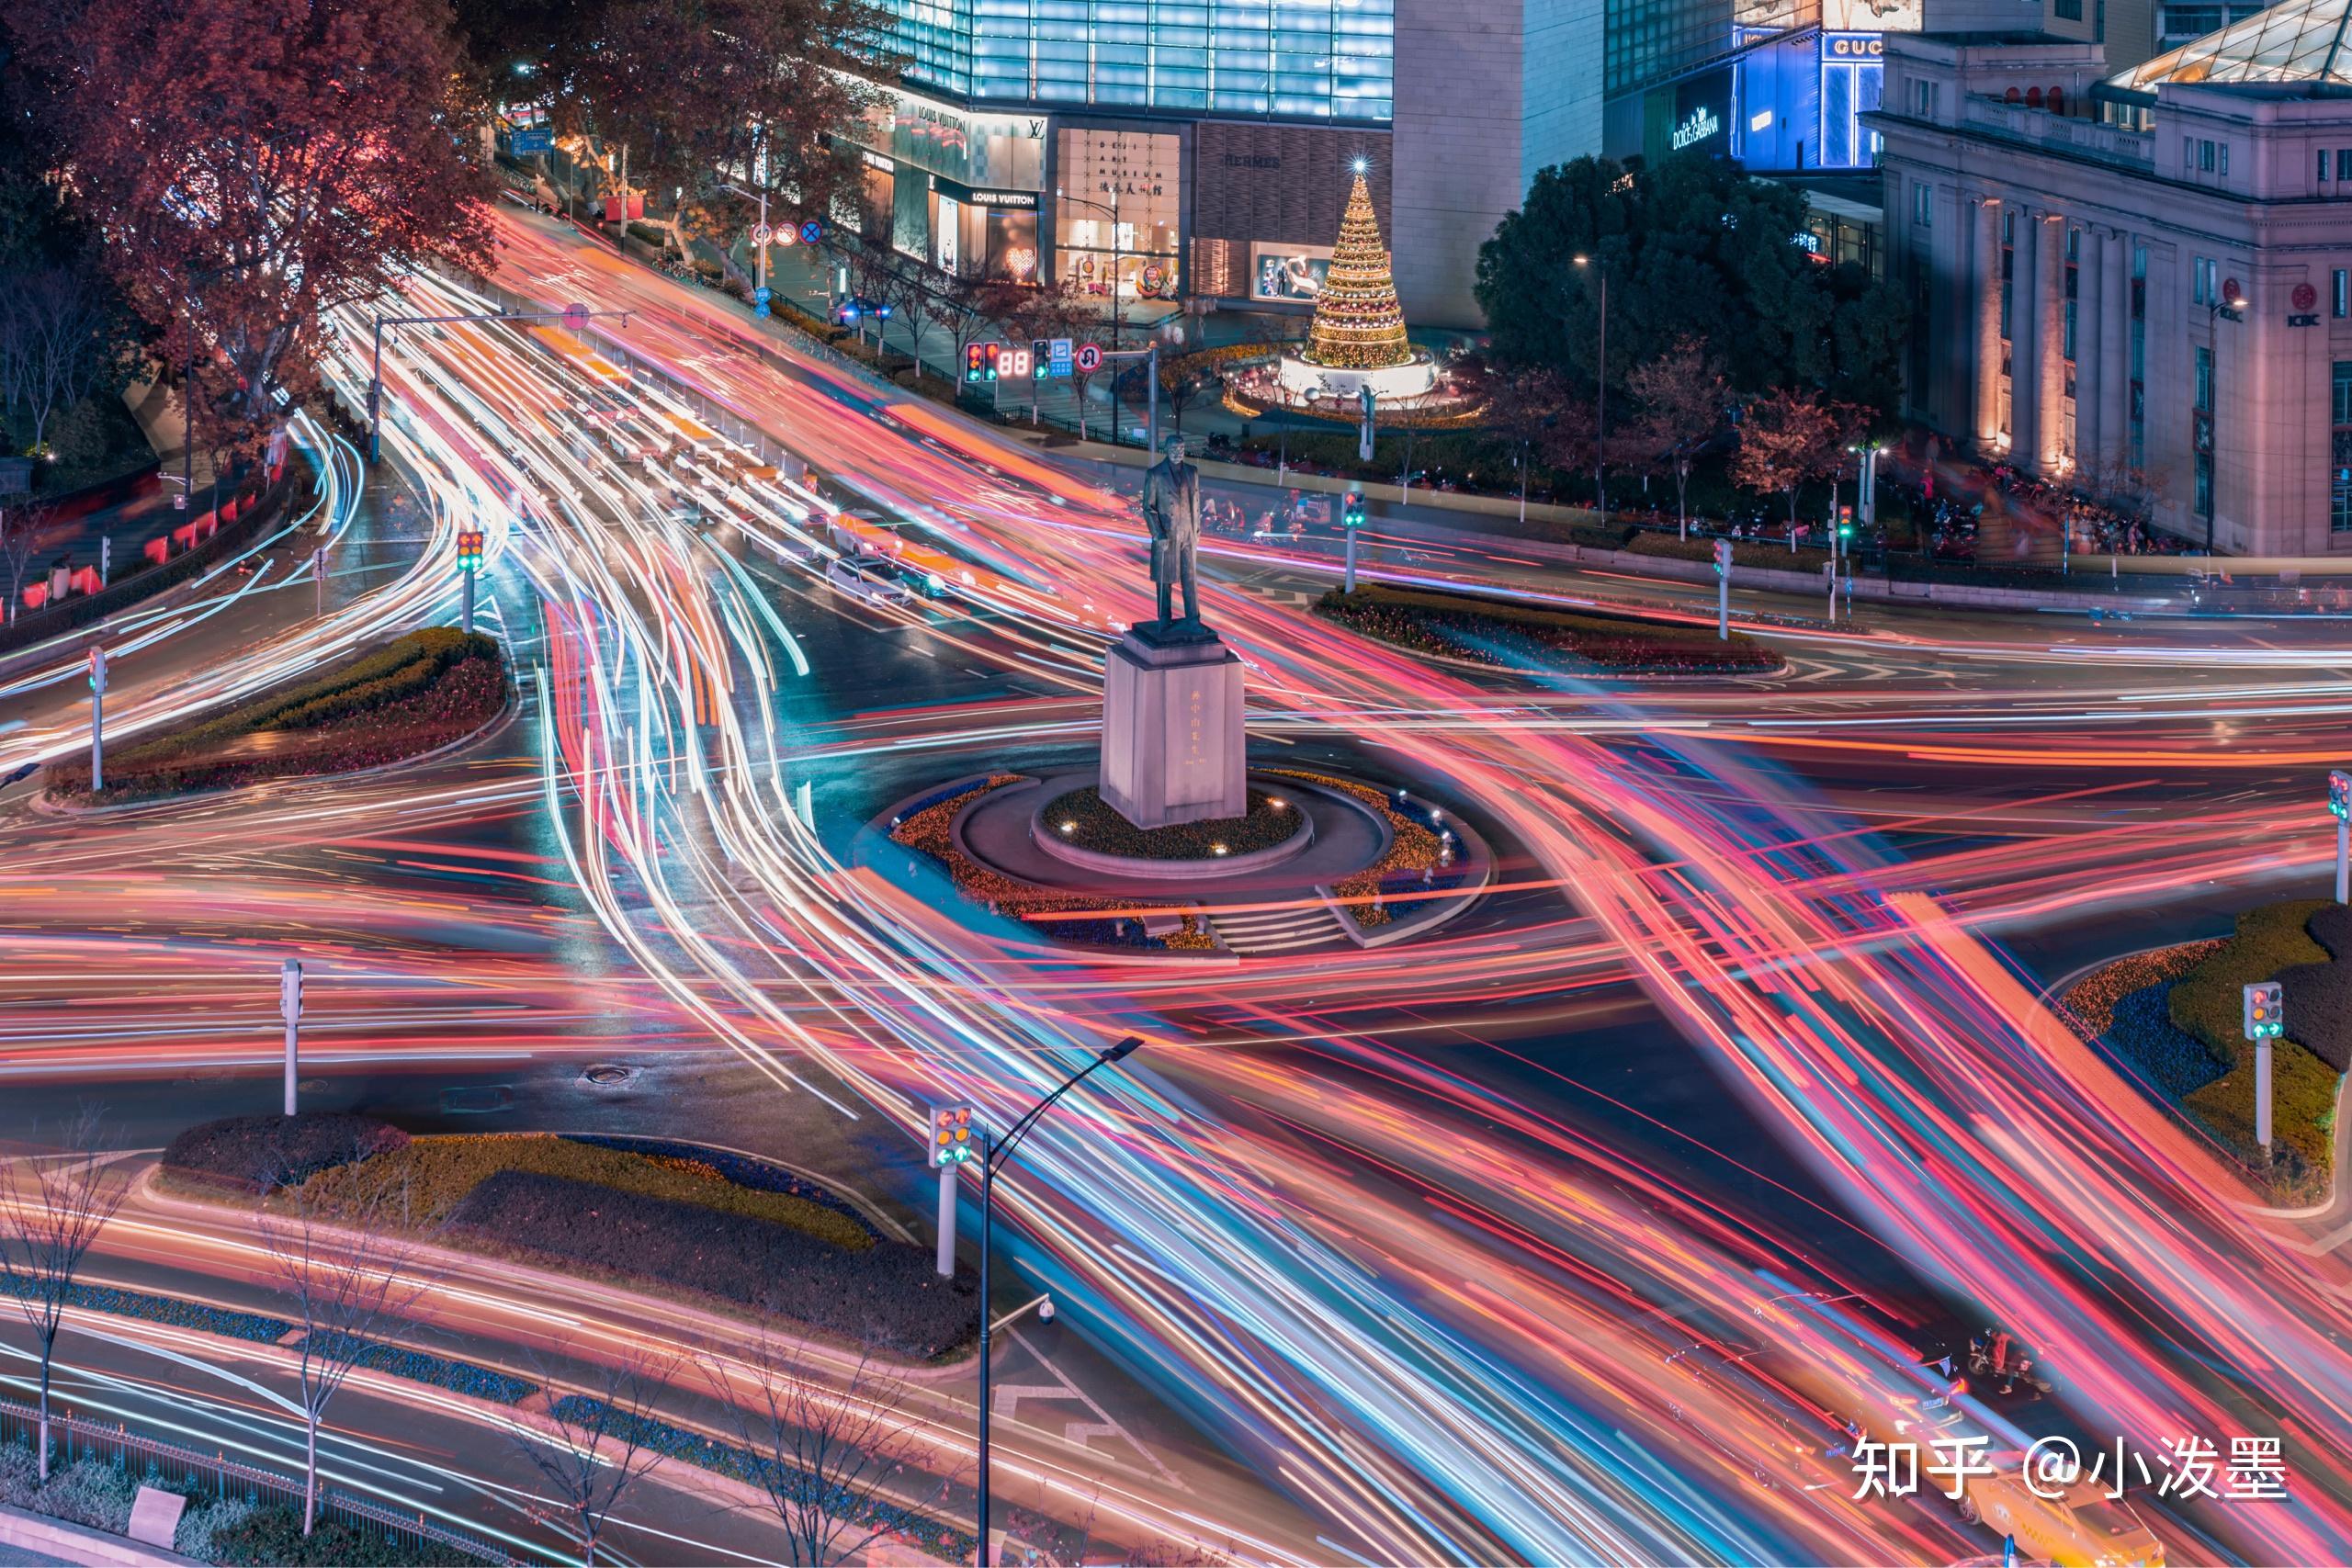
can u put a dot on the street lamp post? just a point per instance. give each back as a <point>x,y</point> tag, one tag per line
<point>2228,306</point>
<point>994,1152</point>
<point>1117,253</point>
<point>1601,399</point>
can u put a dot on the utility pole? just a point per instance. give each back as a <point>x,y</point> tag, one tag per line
<point>98,719</point>
<point>106,559</point>
<point>319,582</point>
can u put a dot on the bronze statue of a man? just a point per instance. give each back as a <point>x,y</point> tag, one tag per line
<point>1171,508</point>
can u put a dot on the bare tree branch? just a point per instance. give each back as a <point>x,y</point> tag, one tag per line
<point>821,1454</point>
<point>345,1295</point>
<point>51,1211</point>
<point>595,1446</point>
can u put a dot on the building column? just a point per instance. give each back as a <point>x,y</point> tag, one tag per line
<point>1985,258</point>
<point>2093,353</point>
<point>2024,334</point>
<point>2049,358</point>
<point>2115,338</point>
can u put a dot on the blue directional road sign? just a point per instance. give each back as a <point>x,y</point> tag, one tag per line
<point>1059,353</point>
<point>523,143</point>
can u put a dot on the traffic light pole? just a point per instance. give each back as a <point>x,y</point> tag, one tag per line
<point>1722,590</point>
<point>947,1222</point>
<point>2343,860</point>
<point>467,622</point>
<point>98,719</point>
<point>2262,1095</point>
<point>1350,586</point>
<point>993,1153</point>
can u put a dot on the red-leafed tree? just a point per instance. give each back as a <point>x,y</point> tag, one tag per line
<point>253,164</point>
<point>706,94</point>
<point>1791,438</point>
<point>1683,398</point>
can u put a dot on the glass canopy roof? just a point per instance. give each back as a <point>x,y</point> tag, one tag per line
<point>2298,41</point>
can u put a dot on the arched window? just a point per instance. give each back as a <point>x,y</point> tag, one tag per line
<point>2033,98</point>
<point>2057,100</point>
<point>2012,95</point>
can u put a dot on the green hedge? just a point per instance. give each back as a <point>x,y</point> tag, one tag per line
<point>402,667</point>
<point>1621,642</point>
<point>442,1171</point>
<point>2210,1000</point>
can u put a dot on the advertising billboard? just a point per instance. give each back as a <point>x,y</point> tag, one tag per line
<point>1288,273</point>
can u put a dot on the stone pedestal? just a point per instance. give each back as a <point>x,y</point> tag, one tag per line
<point>1173,749</point>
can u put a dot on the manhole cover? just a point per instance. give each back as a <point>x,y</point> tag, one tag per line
<point>608,1075</point>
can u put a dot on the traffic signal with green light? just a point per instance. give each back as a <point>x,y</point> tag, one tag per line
<point>468,549</point>
<point>2339,793</point>
<point>951,1136</point>
<point>2264,1010</point>
<point>1351,509</point>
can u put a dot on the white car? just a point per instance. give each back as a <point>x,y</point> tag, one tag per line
<point>875,578</point>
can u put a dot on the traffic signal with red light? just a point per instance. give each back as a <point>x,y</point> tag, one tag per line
<point>1351,509</point>
<point>2264,1010</point>
<point>1722,557</point>
<point>951,1136</point>
<point>468,549</point>
<point>980,361</point>
<point>2339,794</point>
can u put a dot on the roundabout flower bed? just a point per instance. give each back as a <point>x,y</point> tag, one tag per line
<point>417,694</point>
<point>929,832</point>
<point>1504,634</point>
<point>1414,850</point>
<point>1084,818</point>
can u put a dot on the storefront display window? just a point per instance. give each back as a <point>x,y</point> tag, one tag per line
<point>1117,204</point>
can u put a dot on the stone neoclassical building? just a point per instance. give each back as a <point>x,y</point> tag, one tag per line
<point>2138,280</point>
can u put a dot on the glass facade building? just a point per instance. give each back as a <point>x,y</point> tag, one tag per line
<point>1331,60</point>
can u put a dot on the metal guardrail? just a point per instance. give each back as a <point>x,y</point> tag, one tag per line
<point>225,1477</point>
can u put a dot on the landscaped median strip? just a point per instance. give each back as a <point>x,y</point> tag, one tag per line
<point>1504,634</point>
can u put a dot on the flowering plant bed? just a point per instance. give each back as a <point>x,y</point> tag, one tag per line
<point>1413,849</point>
<point>1504,634</point>
<point>928,832</point>
<point>415,695</point>
<point>1084,818</point>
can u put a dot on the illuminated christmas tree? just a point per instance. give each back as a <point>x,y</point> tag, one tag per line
<point>1358,325</point>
